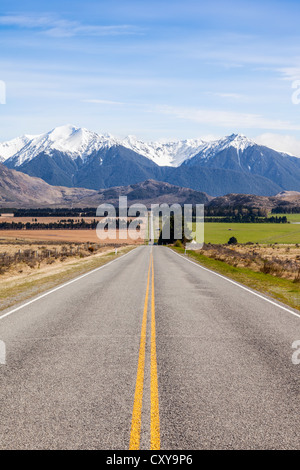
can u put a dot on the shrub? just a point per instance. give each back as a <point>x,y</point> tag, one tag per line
<point>297,278</point>
<point>232,241</point>
<point>268,267</point>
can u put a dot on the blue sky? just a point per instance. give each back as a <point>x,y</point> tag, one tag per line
<point>160,69</point>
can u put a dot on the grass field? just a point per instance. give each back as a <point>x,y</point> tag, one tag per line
<point>72,235</point>
<point>256,233</point>
<point>293,217</point>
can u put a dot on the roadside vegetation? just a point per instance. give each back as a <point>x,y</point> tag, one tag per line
<point>272,270</point>
<point>24,256</point>
<point>263,256</point>
<point>29,268</point>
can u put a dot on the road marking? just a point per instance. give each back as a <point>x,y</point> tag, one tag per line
<point>154,423</point>
<point>136,421</point>
<point>239,285</point>
<point>63,285</point>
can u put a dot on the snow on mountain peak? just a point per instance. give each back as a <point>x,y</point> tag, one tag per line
<point>165,153</point>
<point>74,141</point>
<point>237,141</point>
<point>80,143</point>
<point>240,142</point>
<point>9,149</point>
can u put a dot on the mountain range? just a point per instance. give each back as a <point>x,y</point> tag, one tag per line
<point>18,190</point>
<point>74,157</point>
<point>285,200</point>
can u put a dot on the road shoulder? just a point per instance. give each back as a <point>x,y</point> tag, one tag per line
<point>21,288</point>
<point>282,290</point>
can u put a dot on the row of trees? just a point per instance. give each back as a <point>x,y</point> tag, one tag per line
<point>49,212</point>
<point>286,210</point>
<point>209,211</point>
<point>233,211</point>
<point>249,219</point>
<point>69,224</point>
<point>60,225</point>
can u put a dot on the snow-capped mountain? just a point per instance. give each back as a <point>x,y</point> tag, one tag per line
<point>236,141</point>
<point>165,153</point>
<point>80,143</point>
<point>75,157</point>
<point>11,148</point>
<point>74,141</point>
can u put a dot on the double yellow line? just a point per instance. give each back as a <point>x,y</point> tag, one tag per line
<point>136,421</point>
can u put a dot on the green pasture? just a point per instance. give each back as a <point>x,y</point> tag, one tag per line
<point>256,233</point>
<point>292,217</point>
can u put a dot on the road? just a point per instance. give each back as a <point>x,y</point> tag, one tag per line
<point>150,351</point>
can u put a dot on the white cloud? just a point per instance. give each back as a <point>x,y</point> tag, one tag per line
<point>64,28</point>
<point>227,119</point>
<point>25,21</point>
<point>103,102</point>
<point>281,143</point>
<point>235,96</point>
<point>290,73</point>
<point>211,137</point>
<point>70,29</point>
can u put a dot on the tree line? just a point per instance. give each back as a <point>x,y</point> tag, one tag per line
<point>69,224</point>
<point>51,212</point>
<point>249,219</point>
<point>286,210</point>
<point>233,211</point>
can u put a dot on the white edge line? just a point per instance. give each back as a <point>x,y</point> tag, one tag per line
<point>239,285</point>
<point>63,285</point>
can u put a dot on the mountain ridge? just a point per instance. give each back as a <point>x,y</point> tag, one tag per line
<point>18,190</point>
<point>75,157</point>
<point>23,191</point>
<point>80,142</point>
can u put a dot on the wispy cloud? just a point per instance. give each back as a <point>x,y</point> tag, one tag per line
<point>65,28</point>
<point>103,102</point>
<point>230,119</point>
<point>235,96</point>
<point>69,29</point>
<point>290,73</point>
<point>281,143</point>
<point>22,21</point>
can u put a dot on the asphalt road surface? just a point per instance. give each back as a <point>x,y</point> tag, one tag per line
<point>150,351</point>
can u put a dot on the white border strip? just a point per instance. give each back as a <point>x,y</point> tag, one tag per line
<point>239,285</point>
<point>64,285</point>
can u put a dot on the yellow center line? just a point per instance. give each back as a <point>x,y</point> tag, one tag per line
<point>154,423</point>
<point>138,396</point>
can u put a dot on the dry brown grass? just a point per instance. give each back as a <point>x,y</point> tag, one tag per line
<point>23,258</point>
<point>75,236</point>
<point>17,285</point>
<point>278,260</point>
